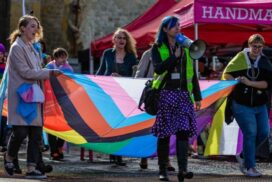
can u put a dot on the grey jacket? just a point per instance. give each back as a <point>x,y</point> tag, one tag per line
<point>24,66</point>
<point>143,66</point>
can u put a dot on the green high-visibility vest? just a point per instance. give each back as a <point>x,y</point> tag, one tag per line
<point>165,53</point>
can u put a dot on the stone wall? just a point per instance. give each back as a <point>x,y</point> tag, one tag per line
<point>53,18</point>
<point>96,18</point>
<point>102,17</point>
<point>16,10</point>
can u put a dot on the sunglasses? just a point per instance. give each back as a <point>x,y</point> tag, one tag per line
<point>121,38</point>
<point>256,46</point>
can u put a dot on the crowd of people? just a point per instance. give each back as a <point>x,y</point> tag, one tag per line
<point>174,75</point>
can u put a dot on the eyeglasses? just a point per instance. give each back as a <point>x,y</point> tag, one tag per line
<point>121,38</point>
<point>256,46</point>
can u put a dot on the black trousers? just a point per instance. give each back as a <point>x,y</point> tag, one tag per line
<point>3,132</point>
<point>55,143</point>
<point>182,145</point>
<point>34,134</point>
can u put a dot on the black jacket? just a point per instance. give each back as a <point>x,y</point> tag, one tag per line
<point>171,64</point>
<point>251,96</point>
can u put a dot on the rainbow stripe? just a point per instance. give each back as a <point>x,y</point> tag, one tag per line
<point>100,113</point>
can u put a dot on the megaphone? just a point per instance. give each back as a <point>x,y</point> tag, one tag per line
<point>196,48</point>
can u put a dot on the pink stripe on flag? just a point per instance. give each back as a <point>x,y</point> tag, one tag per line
<point>124,102</point>
<point>27,96</point>
<point>204,84</point>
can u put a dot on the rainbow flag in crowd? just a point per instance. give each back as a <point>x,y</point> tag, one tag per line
<point>101,113</point>
<point>223,139</point>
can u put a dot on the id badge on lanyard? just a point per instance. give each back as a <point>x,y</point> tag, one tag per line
<point>175,76</point>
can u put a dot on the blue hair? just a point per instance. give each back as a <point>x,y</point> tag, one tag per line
<point>167,22</point>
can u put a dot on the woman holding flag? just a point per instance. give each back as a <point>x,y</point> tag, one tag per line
<point>249,99</point>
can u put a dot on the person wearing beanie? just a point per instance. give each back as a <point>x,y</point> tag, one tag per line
<point>2,48</point>
<point>2,58</point>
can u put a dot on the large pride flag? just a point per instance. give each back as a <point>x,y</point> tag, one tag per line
<point>223,139</point>
<point>101,113</point>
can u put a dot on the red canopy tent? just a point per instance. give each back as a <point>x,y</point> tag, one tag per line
<point>218,22</point>
<point>143,29</point>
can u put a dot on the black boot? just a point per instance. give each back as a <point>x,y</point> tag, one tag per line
<point>163,153</point>
<point>43,168</point>
<point>17,169</point>
<point>182,156</point>
<point>119,161</point>
<point>185,175</point>
<point>163,174</point>
<point>113,159</point>
<point>180,177</point>
<point>143,164</point>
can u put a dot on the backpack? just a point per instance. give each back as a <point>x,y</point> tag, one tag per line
<point>149,98</point>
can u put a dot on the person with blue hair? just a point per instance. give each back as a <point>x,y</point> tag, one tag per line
<point>176,80</point>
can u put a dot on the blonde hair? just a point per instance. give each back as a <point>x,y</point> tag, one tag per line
<point>256,38</point>
<point>23,22</point>
<point>131,42</point>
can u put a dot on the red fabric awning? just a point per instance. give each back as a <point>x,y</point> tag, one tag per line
<point>143,29</point>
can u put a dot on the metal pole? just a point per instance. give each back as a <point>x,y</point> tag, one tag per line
<point>196,37</point>
<point>91,68</point>
<point>23,7</point>
<point>76,11</point>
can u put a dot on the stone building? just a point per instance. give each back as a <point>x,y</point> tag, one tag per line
<point>72,24</point>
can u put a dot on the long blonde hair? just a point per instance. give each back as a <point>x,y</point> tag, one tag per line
<point>23,22</point>
<point>131,42</point>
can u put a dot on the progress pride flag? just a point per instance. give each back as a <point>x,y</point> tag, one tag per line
<point>243,12</point>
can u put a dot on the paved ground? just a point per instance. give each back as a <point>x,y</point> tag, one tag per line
<point>74,170</point>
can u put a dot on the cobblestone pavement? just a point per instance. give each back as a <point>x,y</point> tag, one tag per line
<point>74,170</point>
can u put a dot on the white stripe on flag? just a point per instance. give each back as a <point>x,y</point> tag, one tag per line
<point>229,139</point>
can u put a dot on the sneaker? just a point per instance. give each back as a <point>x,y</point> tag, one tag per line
<point>55,156</point>
<point>3,149</point>
<point>170,168</point>
<point>45,148</point>
<point>252,172</point>
<point>120,163</point>
<point>8,167</point>
<point>16,169</point>
<point>143,163</point>
<point>61,155</point>
<point>35,175</point>
<point>112,159</point>
<point>241,164</point>
<point>43,168</point>
<point>188,175</point>
<point>163,175</point>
